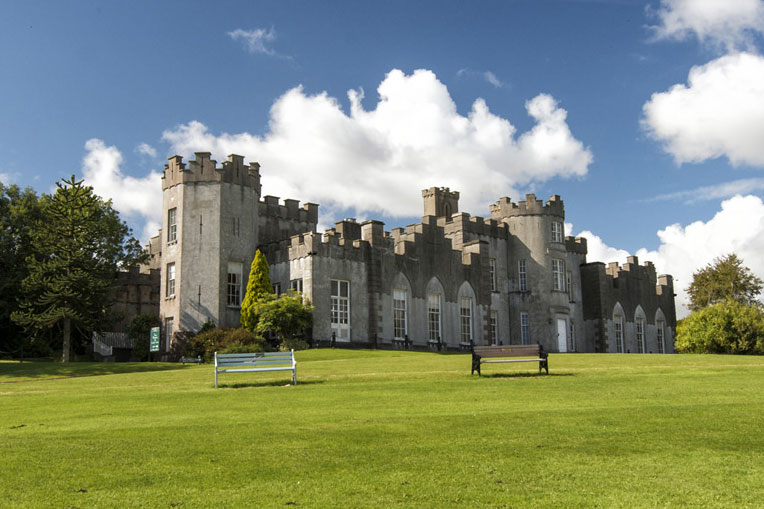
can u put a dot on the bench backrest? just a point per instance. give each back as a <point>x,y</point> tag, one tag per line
<point>507,351</point>
<point>232,360</point>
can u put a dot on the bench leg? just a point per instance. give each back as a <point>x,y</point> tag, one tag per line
<point>544,364</point>
<point>294,376</point>
<point>475,365</point>
<point>216,378</point>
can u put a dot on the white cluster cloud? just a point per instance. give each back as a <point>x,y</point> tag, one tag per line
<point>737,228</point>
<point>255,41</point>
<point>5,178</point>
<point>720,112</point>
<point>729,24</point>
<point>139,198</point>
<point>377,160</point>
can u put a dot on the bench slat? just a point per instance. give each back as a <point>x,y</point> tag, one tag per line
<point>255,362</point>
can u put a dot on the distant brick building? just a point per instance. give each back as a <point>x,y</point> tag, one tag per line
<point>452,279</point>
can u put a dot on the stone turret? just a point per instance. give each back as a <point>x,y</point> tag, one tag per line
<point>440,201</point>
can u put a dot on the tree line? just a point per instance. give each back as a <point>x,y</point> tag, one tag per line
<point>59,258</point>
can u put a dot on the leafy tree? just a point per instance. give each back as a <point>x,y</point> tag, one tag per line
<point>19,210</point>
<point>726,278</point>
<point>286,316</point>
<point>78,245</point>
<point>725,327</point>
<point>258,286</point>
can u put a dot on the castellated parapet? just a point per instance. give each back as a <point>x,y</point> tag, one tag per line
<point>576,245</point>
<point>204,169</point>
<point>530,207</point>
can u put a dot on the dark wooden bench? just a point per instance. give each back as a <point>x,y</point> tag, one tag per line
<point>529,353</point>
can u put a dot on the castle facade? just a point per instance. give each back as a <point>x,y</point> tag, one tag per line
<point>452,279</point>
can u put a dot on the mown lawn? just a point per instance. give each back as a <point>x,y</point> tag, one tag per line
<point>374,428</point>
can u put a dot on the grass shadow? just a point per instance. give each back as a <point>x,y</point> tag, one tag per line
<point>272,383</point>
<point>13,372</point>
<point>523,375</point>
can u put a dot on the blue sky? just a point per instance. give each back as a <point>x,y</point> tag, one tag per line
<point>646,117</point>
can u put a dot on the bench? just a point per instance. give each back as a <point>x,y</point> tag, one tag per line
<point>255,362</point>
<point>530,353</point>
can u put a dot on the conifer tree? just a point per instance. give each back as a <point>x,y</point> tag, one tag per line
<point>78,246</point>
<point>258,286</point>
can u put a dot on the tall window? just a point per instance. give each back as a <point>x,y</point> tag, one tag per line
<point>558,274</point>
<point>641,335</point>
<point>399,313</point>
<point>465,314</point>
<point>170,285</point>
<point>172,225</point>
<point>168,330</point>
<point>618,324</point>
<point>235,226</point>
<point>522,276</point>
<point>571,335</point>
<point>341,309</point>
<point>276,288</point>
<point>296,285</point>
<point>568,286</point>
<point>525,329</point>
<point>557,232</point>
<point>234,284</point>
<point>433,316</point>
<point>659,330</point>
<point>494,328</point>
<point>492,267</point>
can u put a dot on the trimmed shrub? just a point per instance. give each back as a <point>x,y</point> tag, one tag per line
<point>726,327</point>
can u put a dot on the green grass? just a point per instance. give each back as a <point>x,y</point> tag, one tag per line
<point>374,428</point>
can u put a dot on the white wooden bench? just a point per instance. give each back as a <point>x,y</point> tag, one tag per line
<point>531,353</point>
<point>255,362</point>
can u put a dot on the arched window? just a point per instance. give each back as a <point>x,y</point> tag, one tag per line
<point>434,305</point>
<point>639,324</point>
<point>660,330</point>
<point>401,292</point>
<point>618,327</point>
<point>466,313</point>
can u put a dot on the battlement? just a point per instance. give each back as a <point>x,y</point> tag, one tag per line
<point>204,169</point>
<point>474,225</point>
<point>632,269</point>
<point>529,207</point>
<point>576,245</point>
<point>269,207</point>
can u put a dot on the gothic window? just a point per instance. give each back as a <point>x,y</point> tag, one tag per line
<point>659,327</point>
<point>465,315</point>
<point>433,316</point>
<point>399,313</point>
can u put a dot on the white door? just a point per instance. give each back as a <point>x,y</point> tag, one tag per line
<point>562,335</point>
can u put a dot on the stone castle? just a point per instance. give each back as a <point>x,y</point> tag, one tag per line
<point>450,280</point>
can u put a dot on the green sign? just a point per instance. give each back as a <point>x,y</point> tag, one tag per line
<point>154,343</point>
